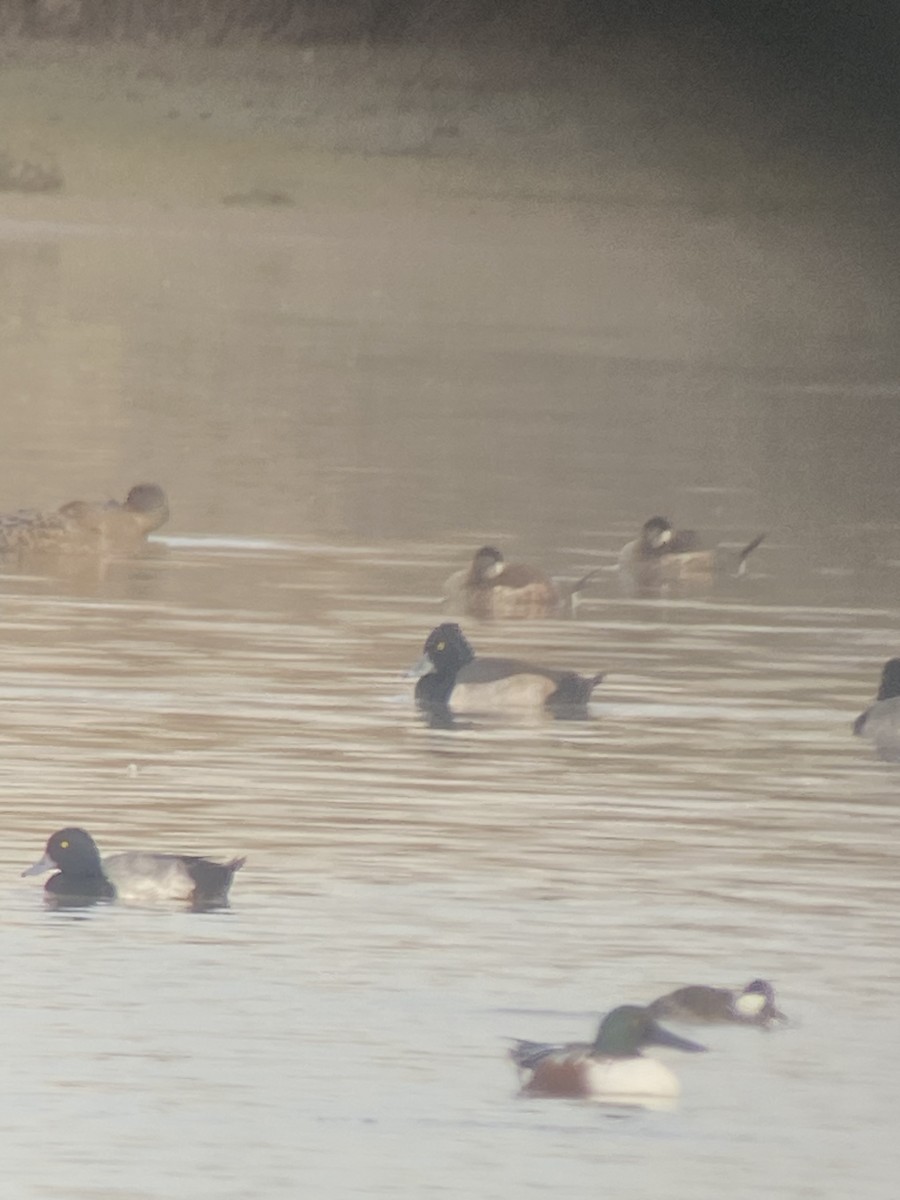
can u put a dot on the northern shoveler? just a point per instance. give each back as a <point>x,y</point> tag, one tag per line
<point>609,1068</point>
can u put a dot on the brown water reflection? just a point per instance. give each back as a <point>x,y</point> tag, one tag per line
<point>338,425</point>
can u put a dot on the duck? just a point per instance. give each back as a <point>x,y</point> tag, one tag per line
<point>610,1068</point>
<point>880,722</point>
<point>752,1005</point>
<point>451,677</point>
<point>662,557</point>
<point>86,526</point>
<point>133,877</point>
<point>492,587</point>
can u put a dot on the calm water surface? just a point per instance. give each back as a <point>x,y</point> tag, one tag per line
<point>341,412</point>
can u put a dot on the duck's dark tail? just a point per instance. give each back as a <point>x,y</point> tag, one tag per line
<point>580,584</point>
<point>747,551</point>
<point>573,693</point>
<point>859,724</point>
<point>211,879</point>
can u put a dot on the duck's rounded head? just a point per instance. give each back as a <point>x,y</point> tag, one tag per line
<point>69,850</point>
<point>656,533</point>
<point>447,648</point>
<point>761,987</point>
<point>890,680</point>
<point>149,501</point>
<point>487,563</point>
<point>627,1028</point>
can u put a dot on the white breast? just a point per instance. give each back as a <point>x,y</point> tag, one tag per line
<point>631,1079</point>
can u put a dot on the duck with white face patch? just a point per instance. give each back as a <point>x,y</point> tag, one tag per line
<point>493,588</point>
<point>701,1004</point>
<point>662,557</point>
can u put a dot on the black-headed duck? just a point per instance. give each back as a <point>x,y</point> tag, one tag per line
<point>492,587</point>
<point>135,877</point>
<point>86,526</point>
<point>752,1005</point>
<point>880,722</point>
<point>610,1068</point>
<point>663,557</point>
<point>453,678</point>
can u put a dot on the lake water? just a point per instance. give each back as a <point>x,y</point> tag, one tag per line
<point>342,408</point>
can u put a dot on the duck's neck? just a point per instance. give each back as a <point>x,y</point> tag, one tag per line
<point>435,687</point>
<point>89,882</point>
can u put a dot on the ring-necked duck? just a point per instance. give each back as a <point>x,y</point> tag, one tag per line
<point>86,526</point>
<point>451,677</point>
<point>754,1005</point>
<point>609,1068</point>
<point>661,556</point>
<point>881,720</point>
<point>135,876</point>
<point>492,587</point>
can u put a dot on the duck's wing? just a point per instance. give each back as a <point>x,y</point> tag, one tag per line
<point>527,1055</point>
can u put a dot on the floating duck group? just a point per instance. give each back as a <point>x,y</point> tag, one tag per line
<point>451,679</point>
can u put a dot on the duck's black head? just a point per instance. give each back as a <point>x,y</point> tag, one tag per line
<point>447,647</point>
<point>487,563</point>
<point>656,533</point>
<point>74,855</point>
<point>890,680</point>
<point>150,503</point>
<point>761,987</point>
<point>70,850</point>
<point>445,652</point>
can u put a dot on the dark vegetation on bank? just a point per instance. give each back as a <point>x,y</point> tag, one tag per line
<point>839,57</point>
<point>813,79</point>
<point>852,43</point>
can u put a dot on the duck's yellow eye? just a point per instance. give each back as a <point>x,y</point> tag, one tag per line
<point>440,646</point>
<point>63,845</point>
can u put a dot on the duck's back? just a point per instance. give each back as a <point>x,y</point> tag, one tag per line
<point>31,531</point>
<point>517,592</point>
<point>696,1002</point>
<point>139,876</point>
<point>142,877</point>
<point>503,683</point>
<point>523,592</point>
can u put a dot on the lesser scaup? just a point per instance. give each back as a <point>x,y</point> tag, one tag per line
<point>753,1005</point>
<point>609,1068</point>
<point>452,677</point>
<point>492,587</point>
<point>880,722</point>
<point>86,526</point>
<point>663,557</point>
<point>135,876</point>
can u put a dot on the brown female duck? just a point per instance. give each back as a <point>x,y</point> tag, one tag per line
<point>85,526</point>
<point>492,587</point>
